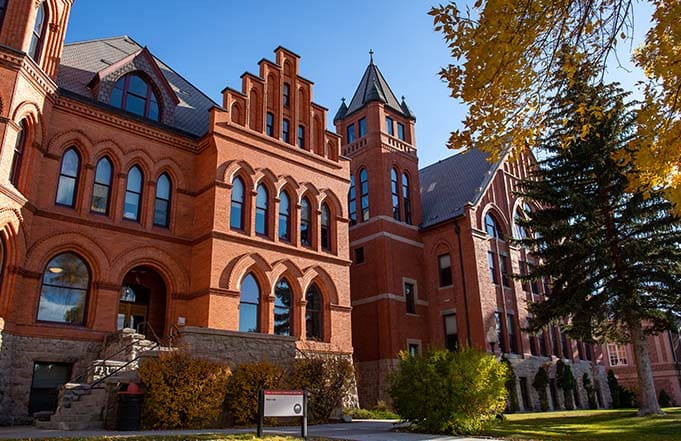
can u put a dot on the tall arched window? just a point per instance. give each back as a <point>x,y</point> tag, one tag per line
<point>133,194</point>
<point>352,201</point>
<point>19,148</point>
<point>406,198</point>
<point>395,192</point>
<point>68,178</point>
<point>313,314</point>
<point>305,223</point>
<point>101,189</point>
<point>492,227</point>
<point>236,211</point>
<point>326,227</point>
<point>249,305</point>
<point>133,94</point>
<point>284,216</point>
<point>64,291</point>
<point>364,194</point>
<point>521,213</point>
<point>282,308</point>
<point>162,202</point>
<point>261,210</point>
<point>38,33</point>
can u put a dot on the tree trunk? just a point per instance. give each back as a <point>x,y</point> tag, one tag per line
<point>647,396</point>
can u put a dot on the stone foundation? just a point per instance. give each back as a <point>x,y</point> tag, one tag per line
<point>372,381</point>
<point>17,355</point>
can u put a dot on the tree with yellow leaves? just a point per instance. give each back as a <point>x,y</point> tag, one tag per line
<point>507,51</point>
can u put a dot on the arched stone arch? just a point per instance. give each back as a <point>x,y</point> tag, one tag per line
<point>140,157</point>
<point>267,177</point>
<point>48,246</point>
<point>440,247</point>
<point>288,183</point>
<point>11,227</point>
<point>173,273</point>
<point>308,189</point>
<point>31,112</point>
<point>237,269</point>
<point>285,267</point>
<point>325,283</point>
<point>332,201</point>
<point>232,168</point>
<point>76,137</point>
<point>173,169</point>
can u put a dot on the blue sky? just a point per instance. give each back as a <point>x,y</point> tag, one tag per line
<point>213,43</point>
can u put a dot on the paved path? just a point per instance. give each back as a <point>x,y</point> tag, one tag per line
<point>356,431</point>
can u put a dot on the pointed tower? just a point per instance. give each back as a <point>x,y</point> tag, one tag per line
<point>377,133</point>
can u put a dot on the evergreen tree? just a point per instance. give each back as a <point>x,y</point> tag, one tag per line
<point>611,252</point>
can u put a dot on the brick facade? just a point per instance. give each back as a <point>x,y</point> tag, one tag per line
<point>199,260</point>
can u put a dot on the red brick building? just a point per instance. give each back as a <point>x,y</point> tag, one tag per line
<point>128,198</point>
<point>432,266</point>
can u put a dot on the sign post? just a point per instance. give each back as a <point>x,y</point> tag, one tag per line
<point>282,403</point>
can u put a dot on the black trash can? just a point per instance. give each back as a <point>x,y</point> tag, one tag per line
<point>129,410</point>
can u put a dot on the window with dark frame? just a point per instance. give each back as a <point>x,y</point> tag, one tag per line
<point>286,95</point>
<point>236,211</point>
<point>389,126</point>
<point>512,336</point>
<point>19,148</point>
<point>282,308</point>
<point>364,194</point>
<point>492,264</point>
<point>133,194</point>
<point>350,131</point>
<point>284,217</point>
<point>249,305</point>
<point>261,210</point>
<point>406,199</point>
<point>400,131</point>
<point>305,223</point>
<point>492,227</point>
<point>3,7</point>
<point>325,227</point>
<point>38,33</point>
<point>352,201</point>
<point>285,135</point>
<point>395,193</point>
<point>410,297</point>
<point>67,184</point>
<point>135,95</point>
<point>101,189</point>
<point>314,329</point>
<point>504,267</point>
<point>162,201</point>
<point>269,126</point>
<point>301,137</point>
<point>414,349</point>
<point>64,290</point>
<point>362,126</point>
<point>47,380</point>
<point>359,255</point>
<point>444,262</point>
<point>451,332</point>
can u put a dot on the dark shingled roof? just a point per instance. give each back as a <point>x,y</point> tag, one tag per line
<point>82,60</point>
<point>373,87</point>
<point>449,184</point>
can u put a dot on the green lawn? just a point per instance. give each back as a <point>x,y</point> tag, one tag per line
<point>207,437</point>
<point>590,425</point>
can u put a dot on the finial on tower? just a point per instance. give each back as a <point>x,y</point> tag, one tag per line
<point>343,99</point>
<point>371,56</point>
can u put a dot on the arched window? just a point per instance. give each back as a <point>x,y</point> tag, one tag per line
<point>38,33</point>
<point>492,227</point>
<point>261,210</point>
<point>326,227</point>
<point>282,308</point>
<point>305,223</point>
<point>313,314</point>
<point>64,291</point>
<point>162,202</point>
<point>352,201</point>
<point>521,213</point>
<point>406,198</point>
<point>68,178</point>
<point>101,189</point>
<point>395,191</point>
<point>364,194</point>
<point>236,212</point>
<point>132,94</point>
<point>19,148</point>
<point>284,216</point>
<point>249,305</point>
<point>133,194</point>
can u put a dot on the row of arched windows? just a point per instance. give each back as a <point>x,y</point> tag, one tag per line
<point>400,197</point>
<point>363,197</point>
<point>249,309</point>
<point>401,200</point>
<point>238,218</point>
<point>69,179</point>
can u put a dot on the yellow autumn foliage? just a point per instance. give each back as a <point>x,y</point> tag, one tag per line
<point>506,53</point>
<point>182,392</point>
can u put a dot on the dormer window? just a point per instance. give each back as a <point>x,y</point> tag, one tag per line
<point>38,33</point>
<point>132,94</point>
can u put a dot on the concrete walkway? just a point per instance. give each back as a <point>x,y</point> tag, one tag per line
<point>367,430</point>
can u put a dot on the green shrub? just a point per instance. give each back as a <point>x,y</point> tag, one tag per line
<point>664,399</point>
<point>449,392</point>
<point>566,381</point>
<point>241,400</point>
<point>541,381</point>
<point>622,397</point>
<point>182,392</point>
<point>327,380</point>
<point>373,414</point>
<point>590,391</point>
<point>513,405</point>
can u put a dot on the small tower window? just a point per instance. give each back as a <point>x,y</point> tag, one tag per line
<point>38,33</point>
<point>364,189</point>
<point>406,199</point>
<point>352,201</point>
<point>400,131</point>
<point>362,127</point>
<point>68,178</point>
<point>301,136</point>
<point>285,130</point>
<point>3,7</point>
<point>389,126</point>
<point>287,95</point>
<point>395,191</point>
<point>19,147</point>
<point>351,133</point>
<point>132,94</point>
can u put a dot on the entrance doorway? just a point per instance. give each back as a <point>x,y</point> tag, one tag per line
<point>142,302</point>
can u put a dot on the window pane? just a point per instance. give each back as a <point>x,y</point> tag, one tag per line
<point>238,190</point>
<point>153,111</point>
<point>66,191</point>
<point>135,180</point>
<point>362,127</point>
<point>313,314</point>
<point>163,187</point>
<point>282,308</point>
<point>47,379</point>
<point>250,291</point>
<point>135,104</point>
<point>70,163</point>
<point>248,317</point>
<point>62,305</point>
<point>131,209</point>
<point>351,133</point>
<point>235,216</point>
<point>103,173</point>
<point>161,213</point>
<point>137,86</point>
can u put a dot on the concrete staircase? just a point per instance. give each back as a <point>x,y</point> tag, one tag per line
<point>83,404</point>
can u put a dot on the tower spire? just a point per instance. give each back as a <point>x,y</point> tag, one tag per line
<point>371,56</point>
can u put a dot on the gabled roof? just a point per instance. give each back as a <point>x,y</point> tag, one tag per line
<point>81,61</point>
<point>448,185</point>
<point>374,87</point>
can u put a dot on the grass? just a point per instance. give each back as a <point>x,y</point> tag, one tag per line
<point>590,425</point>
<point>371,414</point>
<point>197,437</point>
